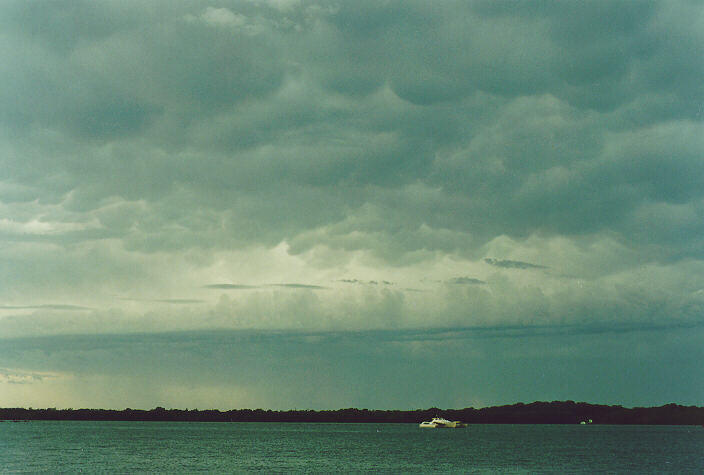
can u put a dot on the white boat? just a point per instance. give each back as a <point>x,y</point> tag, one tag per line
<point>440,423</point>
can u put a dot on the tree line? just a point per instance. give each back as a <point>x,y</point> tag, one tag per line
<point>556,412</point>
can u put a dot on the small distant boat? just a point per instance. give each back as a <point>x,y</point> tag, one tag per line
<point>440,423</point>
<point>588,421</point>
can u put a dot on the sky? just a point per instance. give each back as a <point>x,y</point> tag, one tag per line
<point>294,204</point>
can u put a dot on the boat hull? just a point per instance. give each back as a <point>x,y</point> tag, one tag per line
<point>438,423</point>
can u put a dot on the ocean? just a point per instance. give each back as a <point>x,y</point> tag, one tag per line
<point>73,446</point>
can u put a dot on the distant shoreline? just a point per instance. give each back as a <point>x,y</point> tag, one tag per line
<point>556,412</point>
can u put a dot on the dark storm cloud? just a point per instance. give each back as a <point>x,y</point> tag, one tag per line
<point>418,125</point>
<point>365,282</point>
<point>353,366</point>
<point>171,301</point>
<point>181,301</point>
<point>509,131</point>
<point>509,264</point>
<point>247,287</point>
<point>230,286</point>
<point>227,337</point>
<point>299,286</point>
<point>466,281</point>
<point>45,87</point>
<point>44,307</point>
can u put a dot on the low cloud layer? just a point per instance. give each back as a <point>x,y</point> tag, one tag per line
<point>509,264</point>
<point>338,166</point>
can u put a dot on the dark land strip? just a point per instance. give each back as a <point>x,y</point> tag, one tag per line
<point>556,412</point>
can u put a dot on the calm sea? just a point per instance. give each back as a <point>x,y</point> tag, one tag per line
<point>44,446</point>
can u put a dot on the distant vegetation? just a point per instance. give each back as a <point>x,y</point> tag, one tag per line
<point>556,412</point>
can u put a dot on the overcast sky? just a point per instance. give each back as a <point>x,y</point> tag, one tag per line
<point>325,204</point>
